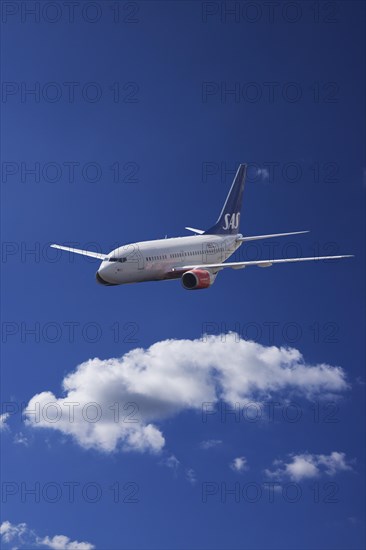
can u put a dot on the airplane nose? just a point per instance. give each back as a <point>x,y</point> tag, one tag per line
<point>100,279</point>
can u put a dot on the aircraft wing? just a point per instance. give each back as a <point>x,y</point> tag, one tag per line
<point>78,251</point>
<point>258,237</point>
<point>259,263</point>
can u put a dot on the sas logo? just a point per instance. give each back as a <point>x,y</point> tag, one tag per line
<point>231,221</point>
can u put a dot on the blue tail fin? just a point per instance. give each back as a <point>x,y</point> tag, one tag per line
<point>229,219</point>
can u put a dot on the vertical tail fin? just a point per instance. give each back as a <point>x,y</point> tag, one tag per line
<point>229,219</point>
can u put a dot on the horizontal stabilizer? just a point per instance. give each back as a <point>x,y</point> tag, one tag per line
<point>82,252</point>
<point>258,237</point>
<point>198,231</point>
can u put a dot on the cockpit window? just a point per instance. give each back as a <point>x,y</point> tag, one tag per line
<point>117,260</point>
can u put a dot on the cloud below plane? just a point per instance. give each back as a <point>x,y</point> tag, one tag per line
<point>116,403</point>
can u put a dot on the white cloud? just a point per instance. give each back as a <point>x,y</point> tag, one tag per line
<point>172,462</point>
<point>354,520</point>
<point>134,392</point>
<point>191,476</point>
<point>20,534</point>
<point>263,173</point>
<point>3,424</point>
<point>60,542</point>
<point>10,532</point>
<point>209,443</point>
<point>307,466</point>
<point>239,464</point>
<point>21,439</point>
<point>333,463</point>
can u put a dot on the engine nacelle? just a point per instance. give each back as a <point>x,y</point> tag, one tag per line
<point>197,278</point>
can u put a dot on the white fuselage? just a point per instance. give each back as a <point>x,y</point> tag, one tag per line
<point>162,259</point>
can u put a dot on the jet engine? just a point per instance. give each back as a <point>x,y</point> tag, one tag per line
<point>197,278</point>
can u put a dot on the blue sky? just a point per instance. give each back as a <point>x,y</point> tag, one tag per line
<point>145,146</point>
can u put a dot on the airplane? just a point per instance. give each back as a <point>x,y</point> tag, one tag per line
<point>195,259</point>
